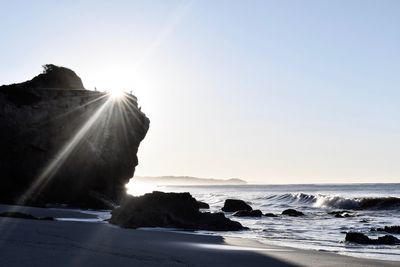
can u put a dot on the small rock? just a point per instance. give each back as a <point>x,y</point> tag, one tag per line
<point>342,214</point>
<point>246,213</point>
<point>232,205</point>
<point>338,212</point>
<point>270,215</point>
<point>292,212</point>
<point>388,229</point>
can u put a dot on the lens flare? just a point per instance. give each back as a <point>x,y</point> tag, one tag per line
<point>116,94</point>
<point>135,188</point>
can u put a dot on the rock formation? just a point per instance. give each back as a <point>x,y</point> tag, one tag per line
<point>173,210</point>
<point>232,205</point>
<point>360,238</point>
<point>292,212</point>
<point>395,229</point>
<point>63,144</point>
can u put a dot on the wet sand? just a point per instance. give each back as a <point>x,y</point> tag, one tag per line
<point>69,243</point>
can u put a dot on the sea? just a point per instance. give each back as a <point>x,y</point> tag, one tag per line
<point>370,206</point>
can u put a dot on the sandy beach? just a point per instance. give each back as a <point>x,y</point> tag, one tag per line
<point>26,242</point>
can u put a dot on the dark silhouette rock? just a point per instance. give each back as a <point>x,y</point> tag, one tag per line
<point>246,213</point>
<point>62,144</point>
<point>270,215</point>
<point>21,215</point>
<point>173,210</point>
<point>292,212</point>
<point>232,205</point>
<point>360,238</point>
<point>388,240</point>
<point>203,205</point>
<point>388,229</point>
<point>53,77</point>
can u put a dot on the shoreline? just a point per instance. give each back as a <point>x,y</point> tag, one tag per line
<point>64,243</point>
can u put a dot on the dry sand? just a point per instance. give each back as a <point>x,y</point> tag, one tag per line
<point>68,243</point>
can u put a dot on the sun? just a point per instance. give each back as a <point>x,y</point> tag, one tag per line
<point>136,188</point>
<point>116,93</point>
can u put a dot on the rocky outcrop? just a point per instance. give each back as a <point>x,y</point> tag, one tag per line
<point>292,212</point>
<point>246,213</point>
<point>232,205</point>
<point>53,77</point>
<point>63,144</point>
<point>172,210</point>
<point>360,238</point>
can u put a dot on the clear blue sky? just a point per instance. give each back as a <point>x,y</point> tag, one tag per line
<point>268,91</point>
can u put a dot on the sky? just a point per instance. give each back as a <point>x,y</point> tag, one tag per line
<point>267,91</point>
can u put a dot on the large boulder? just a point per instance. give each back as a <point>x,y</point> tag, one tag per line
<point>360,238</point>
<point>232,205</point>
<point>62,144</point>
<point>172,210</point>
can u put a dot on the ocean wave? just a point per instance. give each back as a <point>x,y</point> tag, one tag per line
<point>360,203</point>
<point>291,198</point>
<point>338,202</point>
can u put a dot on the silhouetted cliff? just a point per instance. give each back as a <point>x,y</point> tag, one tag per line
<point>63,144</point>
<point>52,77</point>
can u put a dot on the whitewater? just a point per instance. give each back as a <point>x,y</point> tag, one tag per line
<point>368,205</point>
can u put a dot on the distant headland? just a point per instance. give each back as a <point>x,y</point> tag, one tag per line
<point>187,180</point>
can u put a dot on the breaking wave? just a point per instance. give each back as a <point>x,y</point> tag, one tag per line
<point>338,202</point>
